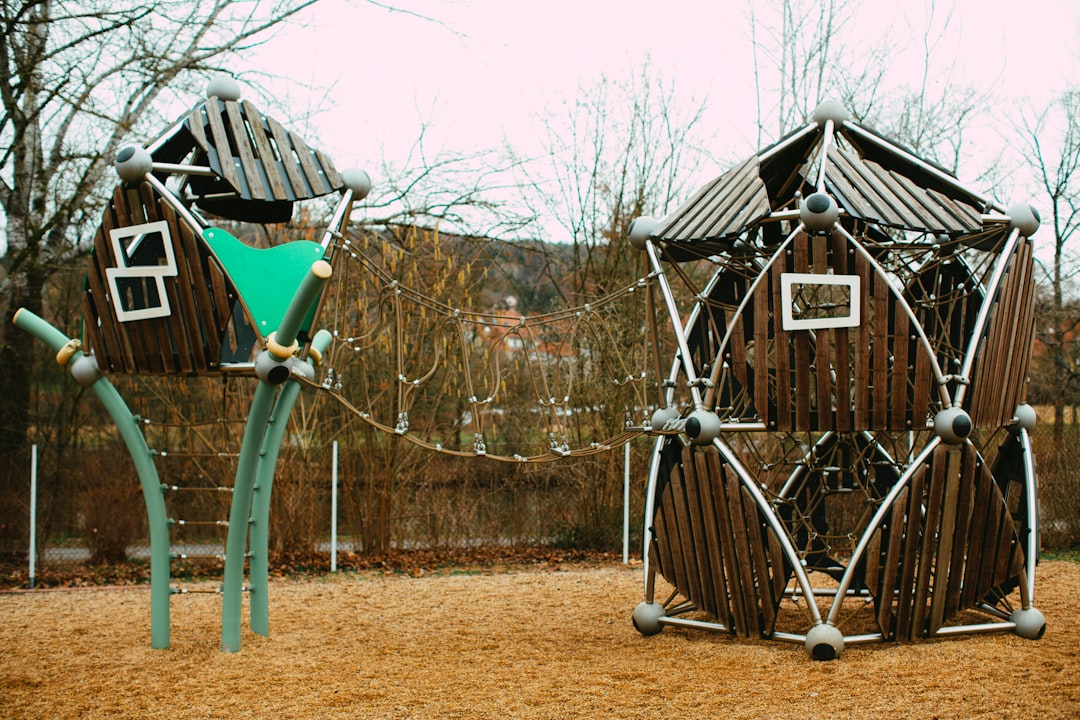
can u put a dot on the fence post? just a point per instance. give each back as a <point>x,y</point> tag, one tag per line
<point>33,512</point>
<point>333,511</point>
<point>626,505</point>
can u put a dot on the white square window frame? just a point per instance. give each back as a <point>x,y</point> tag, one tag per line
<point>790,322</point>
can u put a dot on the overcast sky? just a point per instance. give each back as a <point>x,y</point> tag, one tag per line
<point>485,69</point>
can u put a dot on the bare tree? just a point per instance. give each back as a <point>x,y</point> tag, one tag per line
<point>1055,162</point>
<point>78,80</point>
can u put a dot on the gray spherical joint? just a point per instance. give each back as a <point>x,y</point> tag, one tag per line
<point>641,229</point>
<point>831,110</point>
<point>824,642</point>
<point>647,616</point>
<point>1025,218</point>
<point>85,370</point>
<point>358,181</point>
<point>1030,623</point>
<point>703,426</point>
<point>1025,417</point>
<point>818,212</point>
<point>952,425</point>
<point>224,87</point>
<point>132,163</point>
<point>662,416</point>
<point>271,370</point>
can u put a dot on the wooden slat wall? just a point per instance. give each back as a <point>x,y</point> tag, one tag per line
<point>1001,367</point>
<point>873,376</point>
<point>948,541</point>
<point>712,544</point>
<point>200,297</point>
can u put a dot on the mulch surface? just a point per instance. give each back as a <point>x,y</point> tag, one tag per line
<point>548,640</point>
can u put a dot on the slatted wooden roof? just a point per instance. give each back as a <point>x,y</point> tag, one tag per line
<point>260,167</point>
<point>871,179</point>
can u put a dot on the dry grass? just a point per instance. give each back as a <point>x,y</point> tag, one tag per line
<point>520,642</point>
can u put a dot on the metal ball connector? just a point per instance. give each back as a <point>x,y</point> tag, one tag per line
<point>270,369</point>
<point>952,425</point>
<point>84,369</point>
<point>662,416</point>
<point>1030,623</point>
<point>641,229</point>
<point>1024,218</point>
<point>358,181</point>
<point>132,163</point>
<point>646,618</point>
<point>224,87</point>
<point>818,212</point>
<point>703,426</point>
<point>824,642</point>
<point>1025,417</point>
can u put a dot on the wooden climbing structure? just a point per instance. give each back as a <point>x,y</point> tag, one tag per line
<point>842,451</point>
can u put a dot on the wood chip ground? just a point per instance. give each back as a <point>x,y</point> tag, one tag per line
<point>520,642</point>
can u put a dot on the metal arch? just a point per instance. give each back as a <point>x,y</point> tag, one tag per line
<point>943,391</point>
<point>875,522</point>
<point>775,524</point>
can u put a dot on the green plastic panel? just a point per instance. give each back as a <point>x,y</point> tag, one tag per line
<point>266,278</point>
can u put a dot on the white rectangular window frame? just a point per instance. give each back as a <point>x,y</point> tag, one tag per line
<point>790,322</point>
<point>157,272</point>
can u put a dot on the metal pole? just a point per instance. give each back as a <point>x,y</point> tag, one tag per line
<point>626,505</point>
<point>333,511</point>
<point>33,512</point>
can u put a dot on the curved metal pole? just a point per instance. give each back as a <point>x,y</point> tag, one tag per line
<point>259,565</point>
<point>1031,489</point>
<point>251,447</point>
<point>776,525</point>
<point>886,505</point>
<point>650,509</point>
<point>144,468</point>
<point>676,323</point>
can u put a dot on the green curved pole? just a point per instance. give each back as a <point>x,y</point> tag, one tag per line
<point>250,449</point>
<point>144,467</point>
<point>259,598</point>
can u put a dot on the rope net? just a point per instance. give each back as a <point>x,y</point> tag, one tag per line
<point>514,381</point>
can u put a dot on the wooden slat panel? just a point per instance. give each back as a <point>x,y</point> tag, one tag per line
<point>766,603</point>
<point>686,571</point>
<point>221,144</point>
<point>964,508</point>
<point>245,151</point>
<point>708,471</point>
<point>311,171</point>
<point>862,347</point>
<point>944,570</point>
<point>891,564</point>
<point>880,357</point>
<point>929,562</point>
<point>841,357</point>
<point>743,559</point>
<point>908,565</point>
<point>803,383</point>
<point>823,352</point>
<point>783,395</point>
<point>266,152</point>
<point>898,415</point>
<point>761,354</point>
<point>729,539</point>
<point>737,355</point>
<point>289,161</point>
<point>706,599</point>
<point>976,536</point>
<point>924,375</point>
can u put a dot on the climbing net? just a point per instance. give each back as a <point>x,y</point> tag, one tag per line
<point>412,356</point>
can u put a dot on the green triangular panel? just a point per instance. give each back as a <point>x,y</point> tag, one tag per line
<point>266,278</point>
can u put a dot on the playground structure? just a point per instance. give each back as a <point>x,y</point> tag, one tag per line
<point>848,459</point>
<point>167,293</point>
<point>845,400</point>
